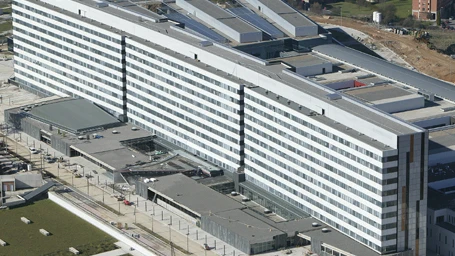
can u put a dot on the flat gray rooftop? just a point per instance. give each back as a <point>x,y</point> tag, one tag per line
<point>372,80</point>
<point>132,7</point>
<point>109,148</point>
<point>210,8</point>
<point>431,110</point>
<point>441,140</point>
<point>245,225</point>
<point>193,195</point>
<point>297,19</point>
<point>238,25</point>
<point>74,115</point>
<point>378,92</point>
<point>109,140</point>
<point>340,241</point>
<point>304,60</point>
<point>386,69</point>
<point>211,181</point>
<point>222,16</point>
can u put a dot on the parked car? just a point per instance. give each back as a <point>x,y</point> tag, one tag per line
<point>50,160</point>
<point>33,150</point>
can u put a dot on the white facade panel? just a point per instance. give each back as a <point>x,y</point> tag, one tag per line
<point>67,57</point>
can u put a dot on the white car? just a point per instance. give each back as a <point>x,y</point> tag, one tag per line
<point>33,151</point>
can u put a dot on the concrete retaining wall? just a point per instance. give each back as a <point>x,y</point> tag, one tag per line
<point>97,223</point>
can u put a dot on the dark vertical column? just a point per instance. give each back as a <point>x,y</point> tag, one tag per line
<point>124,117</point>
<point>242,127</point>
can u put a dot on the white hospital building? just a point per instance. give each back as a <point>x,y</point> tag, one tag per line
<point>244,96</point>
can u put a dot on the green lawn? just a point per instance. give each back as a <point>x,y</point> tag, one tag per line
<point>7,10</point>
<point>67,230</point>
<point>5,26</point>
<point>350,9</point>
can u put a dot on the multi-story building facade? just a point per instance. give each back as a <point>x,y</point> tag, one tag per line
<point>428,9</point>
<point>57,53</point>
<point>353,167</point>
<point>364,188</point>
<point>183,103</point>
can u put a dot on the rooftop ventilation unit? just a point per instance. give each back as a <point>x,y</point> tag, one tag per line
<point>447,109</point>
<point>429,96</point>
<point>205,43</point>
<point>101,4</point>
<point>333,96</point>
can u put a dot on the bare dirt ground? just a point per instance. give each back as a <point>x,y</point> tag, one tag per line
<point>415,53</point>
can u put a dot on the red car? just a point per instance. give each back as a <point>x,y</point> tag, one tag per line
<point>126,202</point>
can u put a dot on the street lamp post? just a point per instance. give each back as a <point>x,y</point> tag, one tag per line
<point>187,244</point>
<point>170,238</point>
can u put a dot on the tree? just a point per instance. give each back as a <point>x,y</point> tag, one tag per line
<point>408,22</point>
<point>316,8</point>
<point>336,11</point>
<point>450,49</point>
<point>438,18</point>
<point>362,3</point>
<point>388,13</point>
